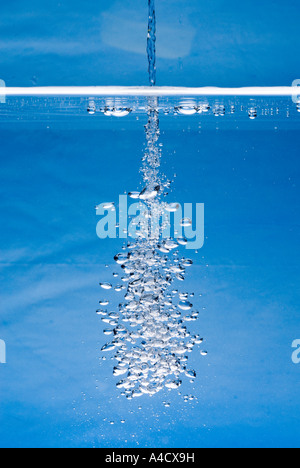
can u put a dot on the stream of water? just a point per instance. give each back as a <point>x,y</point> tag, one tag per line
<point>150,338</point>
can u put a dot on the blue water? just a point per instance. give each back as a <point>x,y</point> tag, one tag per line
<point>58,161</point>
<point>54,390</point>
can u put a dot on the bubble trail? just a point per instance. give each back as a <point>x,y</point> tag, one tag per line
<point>151,341</point>
<point>151,43</point>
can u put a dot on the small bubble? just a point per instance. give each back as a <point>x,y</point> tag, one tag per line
<point>106,286</point>
<point>172,207</point>
<point>186,222</point>
<point>104,303</point>
<point>252,113</point>
<point>91,108</point>
<point>185,305</point>
<point>219,111</point>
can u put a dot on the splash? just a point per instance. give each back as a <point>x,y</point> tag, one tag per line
<point>151,341</point>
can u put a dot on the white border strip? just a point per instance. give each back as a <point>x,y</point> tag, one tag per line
<point>111,91</point>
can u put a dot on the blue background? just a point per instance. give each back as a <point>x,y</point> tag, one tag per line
<point>54,392</point>
<point>216,43</point>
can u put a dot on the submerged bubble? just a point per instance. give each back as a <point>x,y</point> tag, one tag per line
<point>182,241</point>
<point>149,194</point>
<point>186,222</point>
<point>203,108</point>
<point>122,258</point>
<point>191,374</point>
<point>108,347</point>
<point>108,206</point>
<point>198,340</point>
<point>91,108</point>
<point>134,195</point>
<point>172,207</point>
<point>185,305</point>
<point>187,110</point>
<point>219,110</point>
<point>116,112</point>
<point>104,303</point>
<point>252,113</point>
<point>106,286</point>
<point>173,384</point>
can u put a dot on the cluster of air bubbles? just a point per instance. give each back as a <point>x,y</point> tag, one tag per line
<point>188,107</point>
<point>111,109</point>
<point>92,108</point>
<point>219,110</point>
<point>149,336</point>
<point>191,108</point>
<point>121,107</point>
<point>203,108</point>
<point>252,113</point>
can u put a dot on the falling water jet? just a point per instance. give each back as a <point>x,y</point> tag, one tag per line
<point>151,43</point>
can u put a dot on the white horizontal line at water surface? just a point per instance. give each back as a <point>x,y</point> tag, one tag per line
<point>93,91</point>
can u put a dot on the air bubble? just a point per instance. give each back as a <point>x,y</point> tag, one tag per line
<point>108,206</point>
<point>252,113</point>
<point>186,110</point>
<point>91,108</point>
<point>117,112</point>
<point>173,384</point>
<point>106,286</point>
<point>134,195</point>
<point>149,194</point>
<point>172,207</point>
<point>108,347</point>
<point>186,222</point>
<point>185,305</point>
